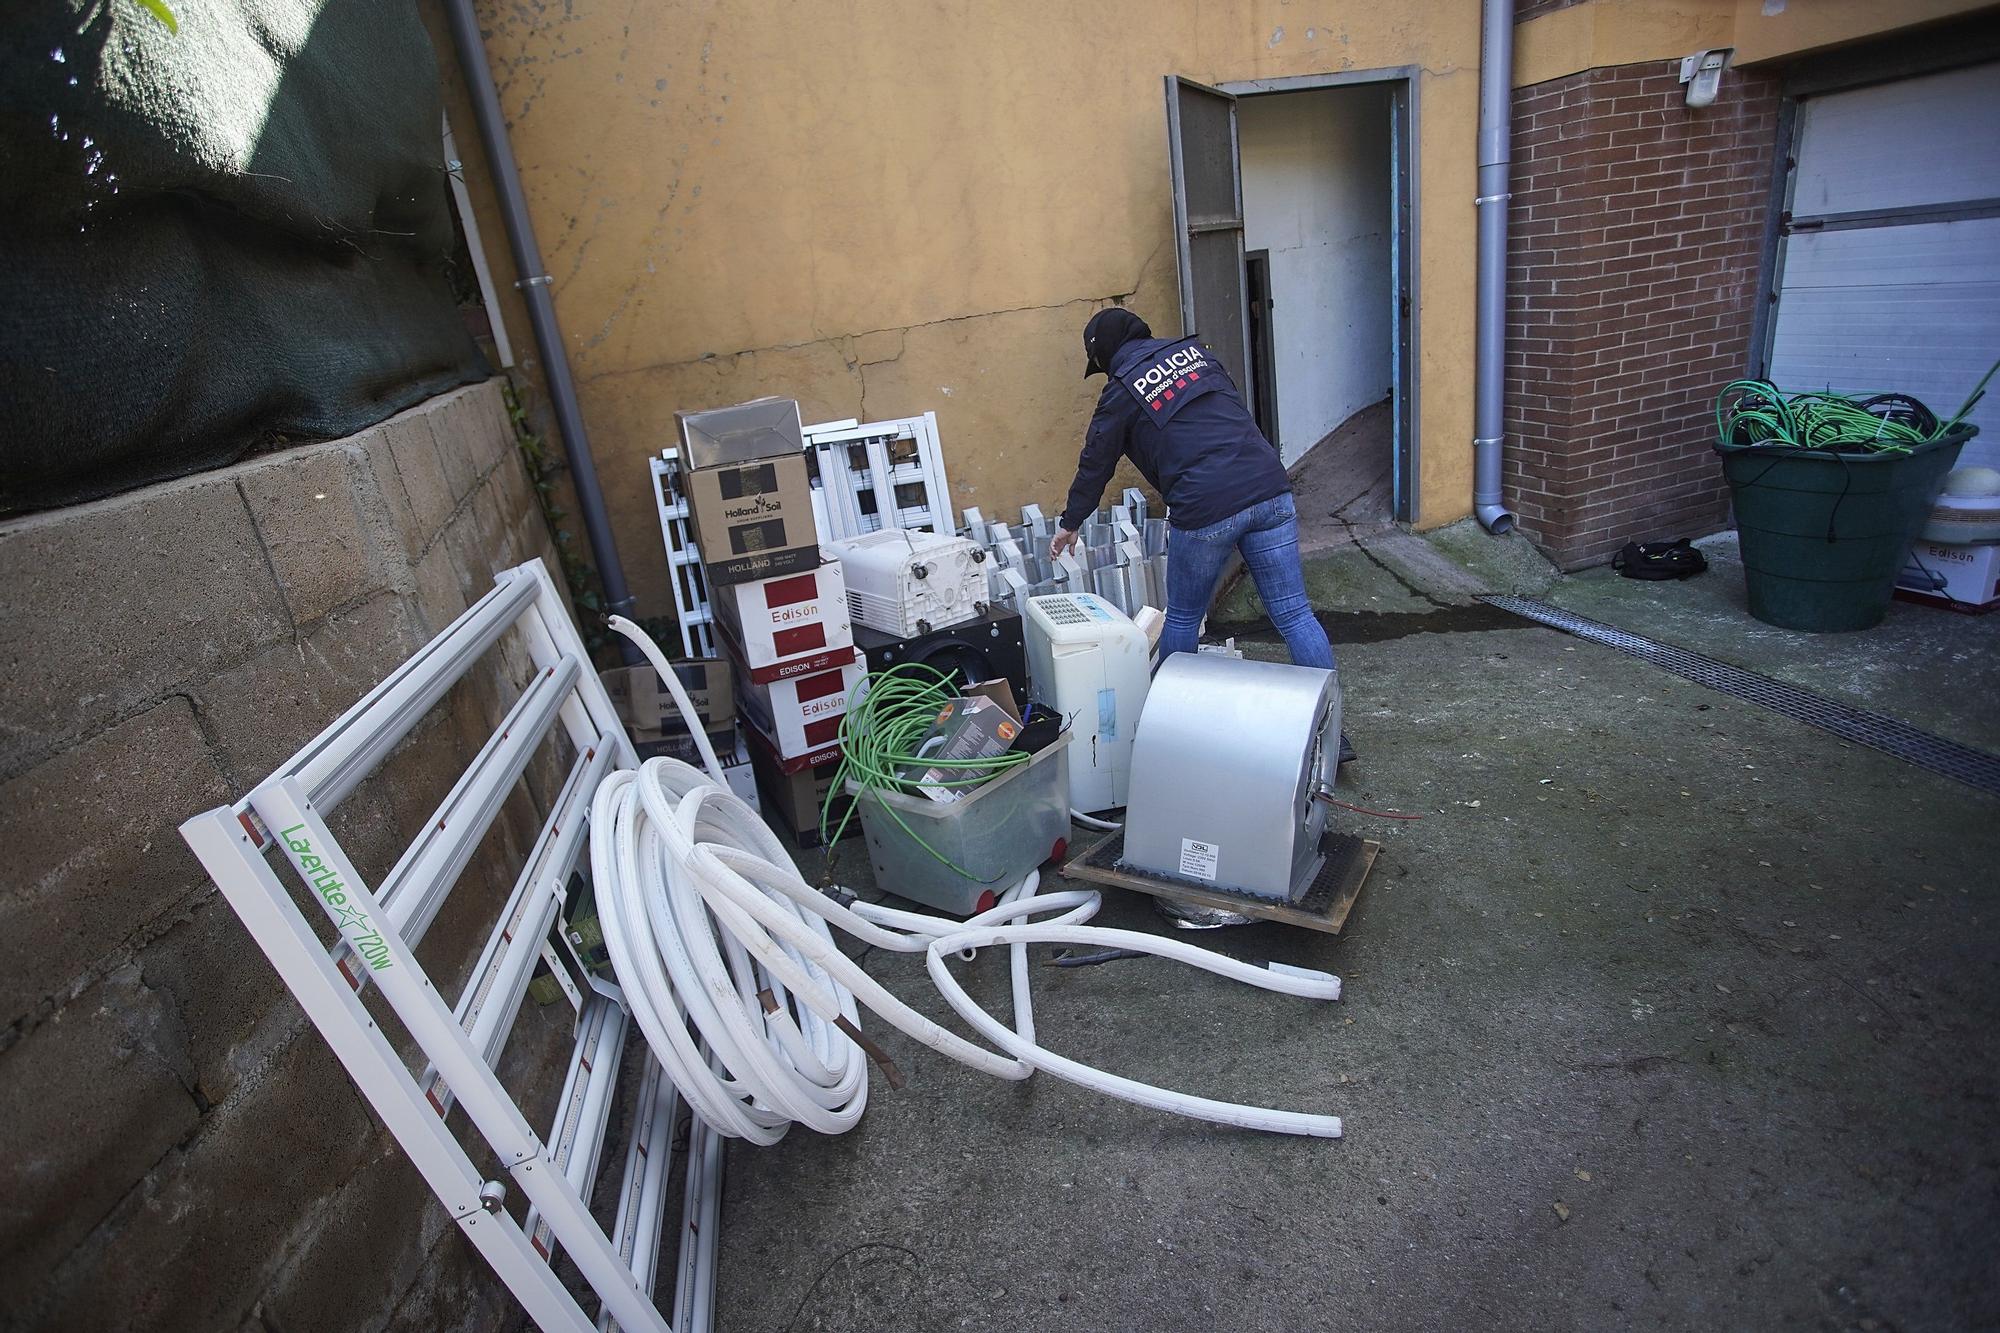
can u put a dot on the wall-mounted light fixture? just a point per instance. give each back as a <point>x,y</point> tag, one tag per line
<point>1702,73</point>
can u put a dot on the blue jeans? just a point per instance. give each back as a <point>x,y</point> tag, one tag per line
<point>1268,535</point>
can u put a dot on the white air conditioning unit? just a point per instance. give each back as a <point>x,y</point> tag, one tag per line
<point>1091,665</point>
<point>904,582</point>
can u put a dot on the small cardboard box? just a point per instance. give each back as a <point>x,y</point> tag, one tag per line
<point>793,626</point>
<point>736,771</point>
<point>645,704</point>
<point>742,779</point>
<point>792,794</point>
<point>680,745</point>
<point>760,428</point>
<point>730,751</point>
<point>752,520</point>
<point>801,714</point>
<point>978,725</point>
<point>1971,573</point>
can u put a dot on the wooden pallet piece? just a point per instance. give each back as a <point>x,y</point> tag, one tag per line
<point>1324,907</point>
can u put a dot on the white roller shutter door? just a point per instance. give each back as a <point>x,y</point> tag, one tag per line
<point>1889,272</point>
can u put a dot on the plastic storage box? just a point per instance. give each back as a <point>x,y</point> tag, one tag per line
<point>997,834</point>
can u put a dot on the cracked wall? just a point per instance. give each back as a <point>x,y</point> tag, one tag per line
<point>883,209</point>
<point>179,1149</point>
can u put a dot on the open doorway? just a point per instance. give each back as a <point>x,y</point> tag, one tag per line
<point>1317,200</point>
<point>1294,200</point>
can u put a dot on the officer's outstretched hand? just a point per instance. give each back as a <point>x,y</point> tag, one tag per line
<point>1062,541</point>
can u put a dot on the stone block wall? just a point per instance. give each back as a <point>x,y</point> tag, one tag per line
<point>1635,233</point>
<point>178,1147</point>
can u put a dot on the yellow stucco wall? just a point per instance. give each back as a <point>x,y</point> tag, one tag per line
<point>883,209</point>
<point>1605,33</point>
<point>1769,31</point>
<point>1602,33</point>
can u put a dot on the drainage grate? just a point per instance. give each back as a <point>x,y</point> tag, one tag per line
<point>1975,768</point>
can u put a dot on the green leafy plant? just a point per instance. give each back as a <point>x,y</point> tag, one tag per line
<point>159,10</point>
<point>660,629</point>
<point>544,467</point>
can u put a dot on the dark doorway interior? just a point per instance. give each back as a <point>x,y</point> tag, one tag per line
<point>1263,366</point>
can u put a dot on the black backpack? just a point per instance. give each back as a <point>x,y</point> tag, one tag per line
<point>1659,560</point>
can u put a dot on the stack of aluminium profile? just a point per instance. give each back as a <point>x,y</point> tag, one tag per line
<point>1120,555</point>
<point>275,858</point>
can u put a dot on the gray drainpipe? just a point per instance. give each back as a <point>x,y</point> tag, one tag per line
<point>534,284</point>
<point>1489,410</point>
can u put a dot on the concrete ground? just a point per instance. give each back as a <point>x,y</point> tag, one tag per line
<point>1668,1013</point>
<point>1932,668</point>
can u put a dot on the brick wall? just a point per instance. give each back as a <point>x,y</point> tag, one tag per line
<point>179,1149</point>
<point>1635,233</point>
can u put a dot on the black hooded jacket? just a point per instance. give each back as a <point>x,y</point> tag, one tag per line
<point>1206,458</point>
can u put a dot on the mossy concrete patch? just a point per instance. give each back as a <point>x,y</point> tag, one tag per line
<point>1508,564</point>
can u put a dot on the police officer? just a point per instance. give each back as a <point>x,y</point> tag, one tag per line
<point>1170,407</point>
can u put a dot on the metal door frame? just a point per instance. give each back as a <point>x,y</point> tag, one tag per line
<point>1403,251</point>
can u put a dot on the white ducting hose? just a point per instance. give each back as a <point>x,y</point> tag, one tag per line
<point>728,962</point>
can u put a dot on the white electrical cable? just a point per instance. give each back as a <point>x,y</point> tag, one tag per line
<point>718,941</point>
<point>1092,821</point>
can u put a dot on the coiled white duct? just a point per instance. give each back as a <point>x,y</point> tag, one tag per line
<point>728,962</point>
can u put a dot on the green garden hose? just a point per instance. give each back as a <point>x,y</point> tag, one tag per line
<point>879,736</point>
<point>1756,413</point>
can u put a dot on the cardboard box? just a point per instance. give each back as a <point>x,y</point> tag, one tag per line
<point>792,796</point>
<point>645,704</point>
<point>1971,574</point>
<point>737,773</point>
<point>801,715</point>
<point>793,626</point>
<point>681,745</point>
<point>752,520</point>
<point>730,750</point>
<point>978,725</point>
<point>760,428</point>
<point>742,779</point>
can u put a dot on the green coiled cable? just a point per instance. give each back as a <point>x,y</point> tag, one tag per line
<point>1757,413</point>
<point>885,724</point>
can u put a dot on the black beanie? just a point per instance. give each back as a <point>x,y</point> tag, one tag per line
<point>1107,331</point>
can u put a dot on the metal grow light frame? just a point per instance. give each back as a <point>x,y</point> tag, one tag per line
<point>380,927</point>
<point>856,459</point>
<point>685,572</point>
